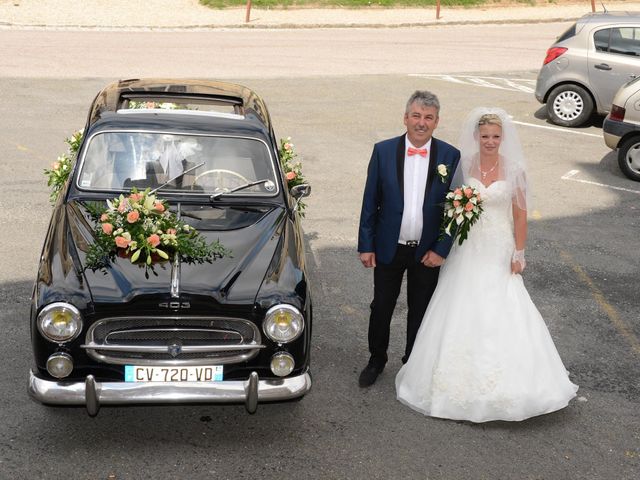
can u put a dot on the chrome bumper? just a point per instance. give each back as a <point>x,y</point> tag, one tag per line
<point>92,394</point>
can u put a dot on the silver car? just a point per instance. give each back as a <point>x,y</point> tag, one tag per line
<point>587,65</point>
<point>621,128</point>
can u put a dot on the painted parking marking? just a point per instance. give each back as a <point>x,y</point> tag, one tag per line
<point>501,83</point>
<point>557,129</point>
<point>619,323</point>
<point>571,174</point>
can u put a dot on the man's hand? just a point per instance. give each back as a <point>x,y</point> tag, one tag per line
<point>432,259</point>
<point>368,259</point>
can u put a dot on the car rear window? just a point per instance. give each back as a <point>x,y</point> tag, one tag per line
<point>191,163</point>
<point>568,34</point>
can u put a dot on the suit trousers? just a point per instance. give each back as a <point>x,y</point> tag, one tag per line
<point>387,279</point>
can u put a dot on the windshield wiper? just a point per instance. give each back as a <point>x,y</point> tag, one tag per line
<point>176,177</point>
<point>215,196</point>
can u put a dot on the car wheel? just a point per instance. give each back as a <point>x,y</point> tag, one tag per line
<point>569,105</point>
<point>629,158</point>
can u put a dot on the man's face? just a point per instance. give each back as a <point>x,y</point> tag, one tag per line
<point>420,122</point>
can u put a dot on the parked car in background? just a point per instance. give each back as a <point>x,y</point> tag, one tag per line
<point>588,63</point>
<point>621,128</point>
<point>156,327</point>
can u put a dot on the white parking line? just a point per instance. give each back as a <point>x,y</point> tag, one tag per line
<point>572,173</point>
<point>500,83</point>
<point>558,129</point>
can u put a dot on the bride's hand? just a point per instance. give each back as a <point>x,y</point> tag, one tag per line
<point>518,262</point>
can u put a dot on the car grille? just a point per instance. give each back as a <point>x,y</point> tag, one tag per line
<point>173,340</point>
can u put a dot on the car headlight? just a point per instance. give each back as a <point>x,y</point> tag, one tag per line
<point>283,323</point>
<point>282,364</point>
<point>59,322</point>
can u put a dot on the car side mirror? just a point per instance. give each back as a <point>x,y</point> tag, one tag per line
<point>300,191</point>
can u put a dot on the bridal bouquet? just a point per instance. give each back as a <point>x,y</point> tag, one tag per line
<point>462,208</point>
<point>140,227</point>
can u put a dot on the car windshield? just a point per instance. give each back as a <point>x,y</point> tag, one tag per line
<point>197,163</point>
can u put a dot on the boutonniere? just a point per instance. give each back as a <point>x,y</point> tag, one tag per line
<point>443,172</point>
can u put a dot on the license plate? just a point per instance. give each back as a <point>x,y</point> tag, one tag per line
<point>210,373</point>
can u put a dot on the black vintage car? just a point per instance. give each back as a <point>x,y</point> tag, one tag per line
<point>233,330</point>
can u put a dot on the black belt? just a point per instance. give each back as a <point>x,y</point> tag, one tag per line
<point>411,243</point>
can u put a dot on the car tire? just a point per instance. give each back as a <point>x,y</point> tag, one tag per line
<point>569,105</point>
<point>629,158</point>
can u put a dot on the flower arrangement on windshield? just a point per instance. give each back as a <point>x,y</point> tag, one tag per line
<point>292,167</point>
<point>60,170</point>
<point>462,208</point>
<point>140,227</point>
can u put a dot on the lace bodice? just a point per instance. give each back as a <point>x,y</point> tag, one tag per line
<point>491,238</point>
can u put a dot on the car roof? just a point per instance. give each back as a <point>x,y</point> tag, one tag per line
<point>610,17</point>
<point>243,104</point>
<point>180,121</point>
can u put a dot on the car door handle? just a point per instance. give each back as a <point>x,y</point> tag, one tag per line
<point>602,66</point>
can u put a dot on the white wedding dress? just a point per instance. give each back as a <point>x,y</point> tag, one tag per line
<point>483,351</point>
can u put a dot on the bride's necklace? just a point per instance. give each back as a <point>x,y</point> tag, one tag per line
<point>485,173</point>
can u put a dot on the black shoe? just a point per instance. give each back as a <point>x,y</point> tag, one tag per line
<point>369,375</point>
<point>405,358</point>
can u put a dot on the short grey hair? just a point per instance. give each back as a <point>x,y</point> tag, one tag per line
<point>423,98</point>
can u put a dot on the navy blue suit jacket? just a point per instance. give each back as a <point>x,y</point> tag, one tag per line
<point>383,201</point>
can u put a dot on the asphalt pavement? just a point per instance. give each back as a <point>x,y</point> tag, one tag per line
<point>190,14</point>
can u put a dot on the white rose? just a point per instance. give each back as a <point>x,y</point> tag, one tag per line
<point>442,170</point>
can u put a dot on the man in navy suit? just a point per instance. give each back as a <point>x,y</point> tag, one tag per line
<point>407,180</point>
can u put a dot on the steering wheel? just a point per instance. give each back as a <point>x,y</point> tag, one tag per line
<point>220,179</point>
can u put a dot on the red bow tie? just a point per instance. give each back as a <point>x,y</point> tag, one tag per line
<point>417,151</point>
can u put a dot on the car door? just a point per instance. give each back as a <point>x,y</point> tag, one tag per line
<point>614,59</point>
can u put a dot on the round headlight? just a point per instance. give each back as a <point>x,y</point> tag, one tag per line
<point>282,364</point>
<point>60,365</point>
<point>283,323</point>
<point>59,322</point>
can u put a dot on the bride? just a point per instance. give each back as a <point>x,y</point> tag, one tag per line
<point>483,351</point>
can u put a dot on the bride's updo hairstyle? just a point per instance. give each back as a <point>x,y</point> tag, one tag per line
<point>489,119</point>
<point>512,162</point>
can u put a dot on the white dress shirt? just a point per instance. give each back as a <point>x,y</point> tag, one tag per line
<point>416,169</point>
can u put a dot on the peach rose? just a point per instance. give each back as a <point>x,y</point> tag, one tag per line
<point>135,197</point>
<point>122,242</point>
<point>56,165</point>
<point>132,217</point>
<point>290,175</point>
<point>153,240</point>
<point>468,192</point>
<point>456,203</point>
<point>159,206</point>
<point>104,217</point>
<point>107,228</point>
<point>171,231</point>
<point>468,207</point>
<point>457,191</point>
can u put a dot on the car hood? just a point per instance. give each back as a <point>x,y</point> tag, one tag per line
<point>234,279</point>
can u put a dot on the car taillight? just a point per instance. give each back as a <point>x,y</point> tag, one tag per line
<point>617,113</point>
<point>553,53</point>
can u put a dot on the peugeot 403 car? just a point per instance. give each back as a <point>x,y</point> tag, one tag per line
<point>166,327</point>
